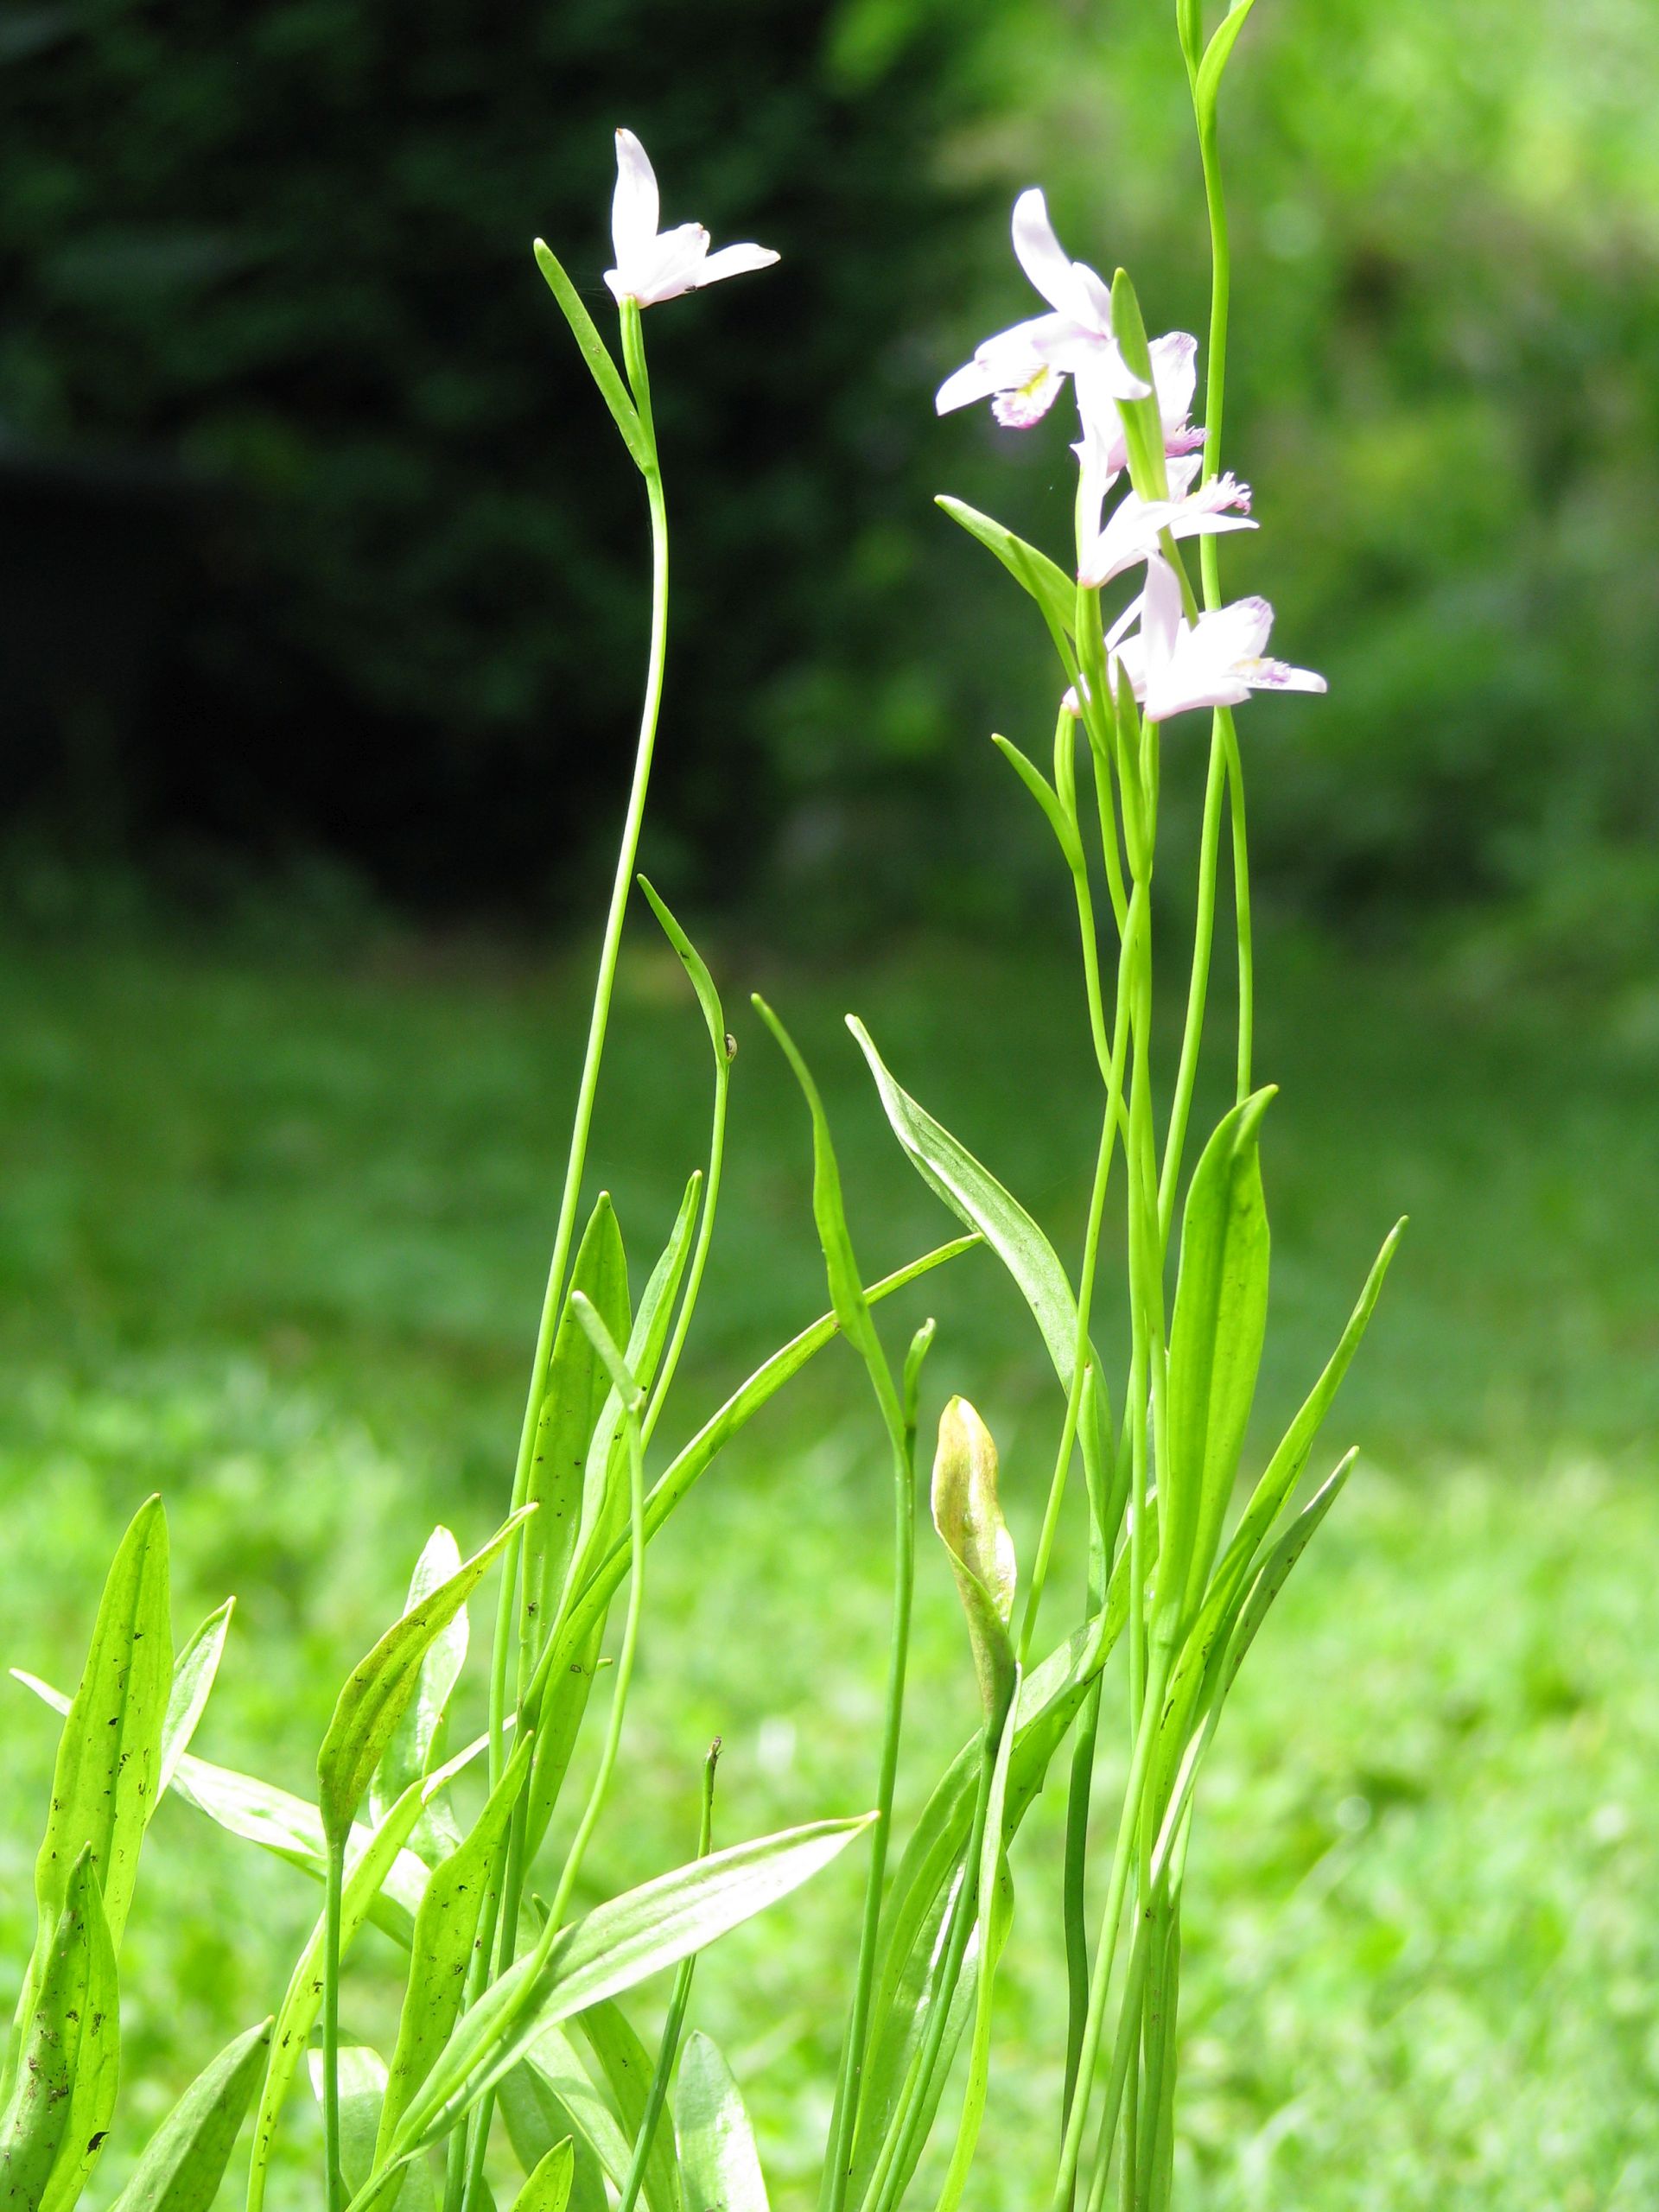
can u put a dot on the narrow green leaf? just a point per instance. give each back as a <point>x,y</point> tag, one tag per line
<point>1208,1632</point>
<point>1226,1653</point>
<point>1207,84</point>
<point>446,1935</point>
<point>54,2126</point>
<point>576,1390</point>
<point>548,2189</point>
<point>365,1869</point>
<point>195,1671</point>
<point>626,2066</point>
<point>415,1743</point>
<point>1048,584</point>
<point>615,1947</point>
<point>1215,1351</point>
<point>719,2162</point>
<point>974,1195</point>
<point>702,983</point>
<point>1284,1470</point>
<point>1064,829</point>
<point>1143,431</point>
<point>382,1685</point>
<point>258,1812</point>
<point>104,1786</point>
<point>597,355</point>
<point>549,2095</point>
<point>829,1213</point>
<point>1276,1567</point>
<point>184,2164</point>
<point>286,1826</point>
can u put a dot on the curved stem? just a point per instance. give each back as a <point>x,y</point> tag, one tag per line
<point>633,355</point>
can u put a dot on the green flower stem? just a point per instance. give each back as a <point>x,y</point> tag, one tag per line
<point>699,1257</point>
<point>480,2132</point>
<point>907,2144</point>
<point>1123,1855</point>
<point>334,1890</point>
<point>1241,906</point>
<point>1197,988</point>
<point>1223,736</point>
<point>634,360</point>
<point>657,2096</point>
<point>1124,2045</point>
<point>850,2079</point>
<point>1112,1073</point>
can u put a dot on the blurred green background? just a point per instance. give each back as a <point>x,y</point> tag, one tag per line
<point>320,603</point>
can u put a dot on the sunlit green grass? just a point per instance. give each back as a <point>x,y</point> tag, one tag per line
<point>271,1239</point>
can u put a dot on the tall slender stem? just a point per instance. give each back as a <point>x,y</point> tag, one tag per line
<point>848,2085</point>
<point>634,360</point>
<point>334,1892</point>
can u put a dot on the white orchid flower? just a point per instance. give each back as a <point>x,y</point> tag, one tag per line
<point>1136,525</point>
<point>1173,665</point>
<point>1102,452</point>
<point>653,265</point>
<point>1020,370</point>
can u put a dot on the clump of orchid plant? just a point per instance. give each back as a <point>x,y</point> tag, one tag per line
<point>512,2042</point>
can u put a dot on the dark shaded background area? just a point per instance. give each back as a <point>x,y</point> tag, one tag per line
<point>316,545</point>
<point>313,534</point>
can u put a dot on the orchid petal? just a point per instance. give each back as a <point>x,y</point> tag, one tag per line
<point>1161,614</point>
<point>635,205</point>
<point>1041,256</point>
<point>1175,374</point>
<point>1280,676</point>
<point>1236,632</point>
<point>674,265</point>
<point>735,261</point>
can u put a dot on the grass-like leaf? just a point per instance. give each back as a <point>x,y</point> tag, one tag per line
<point>548,2188</point>
<point>719,2161</point>
<point>597,355</point>
<point>287,1827</point>
<point>366,1868</point>
<point>446,1928</point>
<point>382,1686</point>
<point>184,2164</point>
<point>974,1194</point>
<point>416,1742</point>
<point>195,1671</point>
<point>1215,1351</point>
<point>64,2093</point>
<point>1048,584</point>
<point>615,1947</point>
<point>627,2067</point>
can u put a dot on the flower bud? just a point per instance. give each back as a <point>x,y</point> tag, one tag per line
<point>969,1518</point>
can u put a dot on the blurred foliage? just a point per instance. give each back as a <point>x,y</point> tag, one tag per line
<point>272,1241</point>
<point>285,244</point>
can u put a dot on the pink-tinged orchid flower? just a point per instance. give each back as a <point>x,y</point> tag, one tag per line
<point>1102,452</point>
<point>1174,665</point>
<point>1021,369</point>
<point>1132,535</point>
<point>653,265</point>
